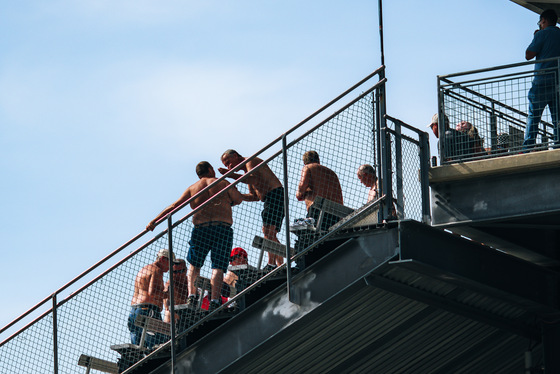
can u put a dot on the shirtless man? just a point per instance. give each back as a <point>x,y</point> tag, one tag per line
<point>366,175</point>
<point>148,297</point>
<point>212,230</point>
<point>318,180</point>
<point>264,186</point>
<point>180,290</point>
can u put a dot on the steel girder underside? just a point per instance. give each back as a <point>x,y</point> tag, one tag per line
<point>397,298</point>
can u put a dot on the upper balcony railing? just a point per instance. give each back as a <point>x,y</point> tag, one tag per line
<point>90,318</point>
<point>490,108</point>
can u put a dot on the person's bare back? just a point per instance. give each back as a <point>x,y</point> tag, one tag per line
<point>148,286</point>
<point>318,180</point>
<point>264,179</point>
<point>219,209</point>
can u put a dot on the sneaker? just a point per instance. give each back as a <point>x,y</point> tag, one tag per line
<point>269,267</point>
<point>192,302</point>
<point>214,305</point>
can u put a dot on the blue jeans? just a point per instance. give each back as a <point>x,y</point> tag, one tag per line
<point>540,95</point>
<point>136,332</point>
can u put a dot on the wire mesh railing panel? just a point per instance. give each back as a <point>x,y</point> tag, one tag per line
<point>233,235</point>
<point>353,132</point>
<point>405,165</point>
<point>31,351</point>
<point>487,115</point>
<point>95,319</point>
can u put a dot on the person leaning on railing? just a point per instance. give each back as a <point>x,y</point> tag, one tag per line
<point>263,186</point>
<point>212,230</point>
<point>544,90</point>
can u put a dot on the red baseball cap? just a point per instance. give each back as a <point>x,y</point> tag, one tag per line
<point>238,251</point>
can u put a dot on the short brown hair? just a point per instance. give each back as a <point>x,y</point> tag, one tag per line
<point>367,169</point>
<point>310,157</point>
<point>203,168</point>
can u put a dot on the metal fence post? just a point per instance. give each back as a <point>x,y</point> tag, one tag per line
<point>493,128</point>
<point>424,154</point>
<point>441,123</point>
<point>399,171</point>
<point>556,129</point>
<point>385,172</point>
<point>171,291</point>
<point>287,219</point>
<point>55,334</point>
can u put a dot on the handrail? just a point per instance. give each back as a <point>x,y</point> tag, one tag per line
<point>278,139</point>
<point>499,67</point>
<point>83,274</point>
<point>178,208</point>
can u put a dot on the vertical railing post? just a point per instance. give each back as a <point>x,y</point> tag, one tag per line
<point>171,291</point>
<point>556,129</point>
<point>441,123</point>
<point>493,128</point>
<point>424,154</point>
<point>385,172</point>
<point>399,171</point>
<point>55,334</point>
<point>287,219</point>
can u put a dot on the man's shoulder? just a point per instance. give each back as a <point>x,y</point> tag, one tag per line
<point>147,270</point>
<point>254,162</point>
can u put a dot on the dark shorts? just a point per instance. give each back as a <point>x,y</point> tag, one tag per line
<point>217,239</point>
<point>273,211</point>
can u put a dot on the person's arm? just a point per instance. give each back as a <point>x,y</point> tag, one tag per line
<point>249,179</point>
<point>166,298</point>
<point>230,278</point>
<point>535,46</point>
<point>303,184</point>
<point>529,54</point>
<point>233,176</point>
<point>235,196</point>
<point>251,196</point>
<point>184,197</point>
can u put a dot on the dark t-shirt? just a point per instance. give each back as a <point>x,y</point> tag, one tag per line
<point>457,145</point>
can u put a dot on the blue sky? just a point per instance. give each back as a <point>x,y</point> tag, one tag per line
<point>107,106</point>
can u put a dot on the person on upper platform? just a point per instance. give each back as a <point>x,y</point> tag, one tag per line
<point>544,90</point>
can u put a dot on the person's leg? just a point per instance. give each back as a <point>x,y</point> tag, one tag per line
<point>536,107</point>
<point>220,253</point>
<point>216,282</point>
<point>269,232</point>
<point>197,254</point>
<point>553,106</point>
<point>193,274</point>
<point>135,331</point>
